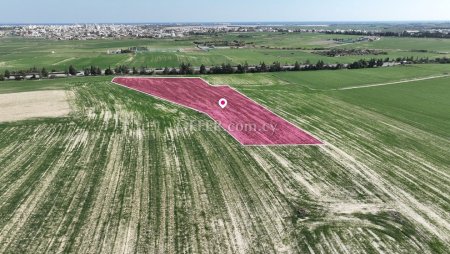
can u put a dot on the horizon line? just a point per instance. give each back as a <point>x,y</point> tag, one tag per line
<point>230,22</point>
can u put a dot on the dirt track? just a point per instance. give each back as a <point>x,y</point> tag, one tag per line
<point>394,83</point>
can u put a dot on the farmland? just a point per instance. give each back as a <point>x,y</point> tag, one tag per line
<point>36,104</point>
<point>261,127</point>
<point>16,54</point>
<point>119,173</point>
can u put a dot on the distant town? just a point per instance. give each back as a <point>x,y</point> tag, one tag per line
<point>117,31</point>
<point>93,31</point>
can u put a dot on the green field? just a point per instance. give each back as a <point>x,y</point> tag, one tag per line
<point>125,172</point>
<point>16,54</point>
<point>421,104</point>
<point>330,80</point>
<point>439,45</point>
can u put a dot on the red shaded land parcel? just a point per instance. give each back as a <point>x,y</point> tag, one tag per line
<point>244,119</point>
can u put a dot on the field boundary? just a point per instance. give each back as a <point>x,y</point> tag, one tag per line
<point>184,106</point>
<point>392,83</point>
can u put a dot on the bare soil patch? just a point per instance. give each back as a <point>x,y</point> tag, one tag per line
<point>22,106</point>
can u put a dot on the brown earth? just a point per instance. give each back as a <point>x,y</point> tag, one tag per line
<point>22,106</point>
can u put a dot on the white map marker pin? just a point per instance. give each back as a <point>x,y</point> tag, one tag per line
<point>223,103</point>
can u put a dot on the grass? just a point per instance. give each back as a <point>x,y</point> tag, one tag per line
<point>322,81</point>
<point>328,80</point>
<point>27,53</point>
<point>126,172</point>
<point>430,44</point>
<point>47,84</point>
<point>421,104</point>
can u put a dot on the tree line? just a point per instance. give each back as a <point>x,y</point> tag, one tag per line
<point>225,68</point>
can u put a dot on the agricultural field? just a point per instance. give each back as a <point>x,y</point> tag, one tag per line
<point>226,106</point>
<point>428,44</point>
<point>36,104</point>
<point>333,80</point>
<point>125,172</point>
<point>17,54</point>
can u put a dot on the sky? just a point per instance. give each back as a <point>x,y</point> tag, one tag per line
<point>143,11</point>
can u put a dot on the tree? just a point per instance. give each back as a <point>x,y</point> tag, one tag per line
<point>215,70</point>
<point>320,65</point>
<point>2,78</point>
<point>93,71</point>
<point>263,67</point>
<point>189,70</point>
<point>245,67</point>
<point>227,69</point>
<point>380,62</point>
<point>296,66</point>
<point>7,74</point>
<point>109,71</point>
<point>240,68</point>
<point>183,68</point>
<point>98,71</point>
<point>87,72</point>
<point>72,70</point>
<point>275,67</point>
<point>135,71</point>
<point>202,69</point>
<point>173,71</point>
<point>372,63</point>
<point>19,75</point>
<point>44,73</point>
<point>186,69</point>
<point>166,71</point>
<point>123,69</point>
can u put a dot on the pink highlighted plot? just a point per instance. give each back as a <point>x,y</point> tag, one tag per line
<point>244,119</point>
